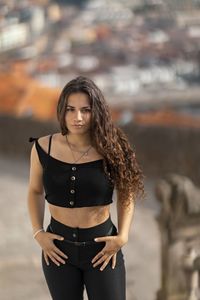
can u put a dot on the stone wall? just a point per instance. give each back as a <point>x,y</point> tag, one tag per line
<point>159,149</point>
<point>15,133</point>
<point>162,150</point>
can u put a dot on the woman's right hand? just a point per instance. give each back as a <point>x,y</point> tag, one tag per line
<point>45,239</point>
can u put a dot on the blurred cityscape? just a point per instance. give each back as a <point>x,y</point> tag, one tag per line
<point>145,57</point>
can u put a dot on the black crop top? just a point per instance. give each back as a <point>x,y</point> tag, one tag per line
<point>73,184</point>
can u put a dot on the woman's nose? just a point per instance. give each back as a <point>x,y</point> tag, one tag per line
<point>79,115</point>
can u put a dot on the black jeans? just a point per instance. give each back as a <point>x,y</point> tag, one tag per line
<point>67,281</point>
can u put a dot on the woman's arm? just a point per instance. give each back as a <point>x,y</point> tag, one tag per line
<point>114,243</point>
<point>36,201</point>
<point>36,207</point>
<point>125,216</point>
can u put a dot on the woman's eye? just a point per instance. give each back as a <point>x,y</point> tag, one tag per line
<point>83,110</point>
<point>86,110</point>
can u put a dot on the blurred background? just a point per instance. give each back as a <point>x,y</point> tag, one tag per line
<point>145,57</point>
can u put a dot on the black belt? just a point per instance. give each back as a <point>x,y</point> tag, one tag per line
<point>76,243</point>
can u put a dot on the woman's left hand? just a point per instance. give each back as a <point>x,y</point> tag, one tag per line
<point>112,246</point>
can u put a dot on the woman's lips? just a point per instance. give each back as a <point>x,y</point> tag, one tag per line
<point>77,126</point>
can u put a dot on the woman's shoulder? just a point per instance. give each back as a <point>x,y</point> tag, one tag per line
<point>44,140</point>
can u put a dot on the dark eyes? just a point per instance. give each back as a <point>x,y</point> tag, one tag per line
<point>83,110</point>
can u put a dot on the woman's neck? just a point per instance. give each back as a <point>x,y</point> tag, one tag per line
<point>79,140</point>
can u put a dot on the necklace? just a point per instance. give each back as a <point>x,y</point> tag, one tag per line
<point>83,153</point>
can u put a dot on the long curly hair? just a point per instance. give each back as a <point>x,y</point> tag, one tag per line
<point>120,164</point>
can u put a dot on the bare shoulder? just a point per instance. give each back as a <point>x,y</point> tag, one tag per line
<point>58,137</point>
<point>44,140</point>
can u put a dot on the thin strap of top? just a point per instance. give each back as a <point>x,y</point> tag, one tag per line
<point>49,149</point>
<point>32,139</point>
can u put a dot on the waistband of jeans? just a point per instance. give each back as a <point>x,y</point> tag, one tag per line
<point>76,234</point>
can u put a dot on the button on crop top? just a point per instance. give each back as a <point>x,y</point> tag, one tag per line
<point>73,184</point>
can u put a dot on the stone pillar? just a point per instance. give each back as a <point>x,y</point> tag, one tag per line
<point>179,224</point>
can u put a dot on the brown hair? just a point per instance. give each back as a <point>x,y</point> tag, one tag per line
<point>110,141</point>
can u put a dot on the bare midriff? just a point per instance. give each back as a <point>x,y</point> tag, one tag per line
<point>82,217</point>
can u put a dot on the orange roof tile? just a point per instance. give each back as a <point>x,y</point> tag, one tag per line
<point>21,95</point>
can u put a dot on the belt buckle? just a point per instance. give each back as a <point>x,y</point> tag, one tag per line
<point>80,243</point>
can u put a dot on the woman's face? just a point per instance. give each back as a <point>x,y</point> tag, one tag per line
<point>78,113</point>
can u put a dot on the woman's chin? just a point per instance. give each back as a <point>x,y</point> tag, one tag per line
<point>78,130</point>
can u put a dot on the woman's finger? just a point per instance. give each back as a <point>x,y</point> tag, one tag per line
<point>58,251</point>
<point>103,238</point>
<point>57,237</point>
<point>57,257</point>
<point>53,259</point>
<point>105,263</point>
<point>101,260</point>
<point>46,259</point>
<point>100,254</point>
<point>114,258</point>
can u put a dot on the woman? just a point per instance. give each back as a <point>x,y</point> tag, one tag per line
<point>76,171</point>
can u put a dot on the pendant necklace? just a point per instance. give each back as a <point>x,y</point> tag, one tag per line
<point>84,153</point>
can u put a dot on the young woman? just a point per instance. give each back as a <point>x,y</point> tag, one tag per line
<point>76,171</point>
